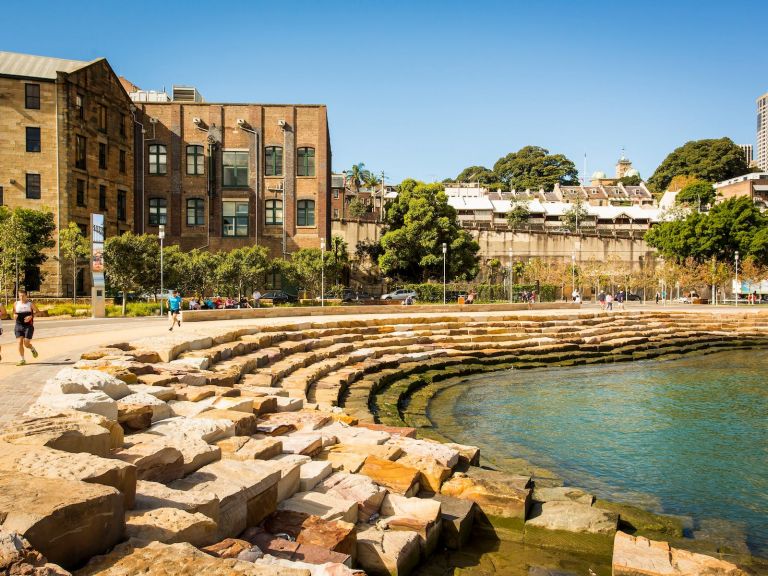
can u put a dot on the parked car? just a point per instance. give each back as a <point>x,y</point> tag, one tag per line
<point>682,300</point>
<point>279,297</point>
<point>633,298</point>
<point>401,294</point>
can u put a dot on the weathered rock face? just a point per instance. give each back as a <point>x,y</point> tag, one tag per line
<point>93,402</point>
<point>48,463</point>
<point>152,495</point>
<point>209,430</point>
<point>68,430</point>
<point>357,487</point>
<point>227,548</point>
<point>633,556</point>
<point>322,505</point>
<point>17,557</point>
<point>387,552</point>
<point>432,473</point>
<point>250,448</point>
<point>160,409</point>
<point>458,517</point>
<point>440,453</point>
<point>292,550</point>
<point>154,461</point>
<point>337,536</point>
<point>134,557</point>
<point>572,517</point>
<point>170,526</point>
<point>67,521</point>
<point>420,515</point>
<point>195,452</point>
<point>496,493</point>
<point>74,381</point>
<point>396,477</point>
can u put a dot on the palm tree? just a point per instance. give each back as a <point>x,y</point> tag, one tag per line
<point>356,176</point>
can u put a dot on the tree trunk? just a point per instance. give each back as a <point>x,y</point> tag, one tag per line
<point>74,280</point>
<point>125,298</point>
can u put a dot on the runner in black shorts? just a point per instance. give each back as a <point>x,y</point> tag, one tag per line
<point>24,329</point>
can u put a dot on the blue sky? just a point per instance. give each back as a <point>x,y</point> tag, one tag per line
<point>425,88</point>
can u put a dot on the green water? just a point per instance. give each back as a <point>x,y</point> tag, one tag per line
<point>687,437</point>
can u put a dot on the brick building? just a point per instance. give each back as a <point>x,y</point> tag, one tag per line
<point>221,175</point>
<point>66,145</point>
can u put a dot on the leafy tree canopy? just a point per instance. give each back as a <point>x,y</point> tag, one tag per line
<point>519,213</point>
<point>711,160</point>
<point>633,180</point>
<point>479,174</point>
<point>418,222</point>
<point>697,193</point>
<point>534,167</point>
<point>24,236</point>
<point>736,224</point>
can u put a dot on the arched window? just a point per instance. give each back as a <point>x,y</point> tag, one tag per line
<point>158,159</point>
<point>158,211</point>
<point>195,160</point>
<point>195,212</point>
<point>305,213</point>
<point>273,161</point>
<point>274,211</point>
<point>306,162</point>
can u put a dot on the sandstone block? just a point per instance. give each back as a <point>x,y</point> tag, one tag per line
<point>193,393</point>
<point>293,551</point>
<point>323,505</point>
<point>458,517</point>
<point>93,402</point>
<point>227,548</point>
<point>305,420</point>
<point>160,392</point>
<point>572,517</point>
<point>396,477</point>
<point>170,526</point>
<point>311,473</point>
<point>420,515</point>
<point>324,569</point>
<point>264,405</point>
<point>432,474</point>
<point>468,455</point>
<point>68,521</point>
<point>285,404</point>
<point>17,557</point>
<point>74,381</point>
<point>443,455</point>
<point>562,494</point>
<point>208,429</point>
<point>134,417</point>
<point>256,447</point>
<point>290,476</point>
<point>334,535</point>
<point>387,552</point>
<point>355,435</point>
<point>190,409</point>
<point>302,443</point>
<point>160,409</point>
<point>244,422</point>
<point>154,461</point>
<point>70,432</point>
<point>238,403</point>
<point>391,430</point>
<point>497,493</point>
<point>357,487</point>
<point>158,379</point>
<point>151,495</point>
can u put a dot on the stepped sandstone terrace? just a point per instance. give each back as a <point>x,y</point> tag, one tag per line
<point>305,448</point>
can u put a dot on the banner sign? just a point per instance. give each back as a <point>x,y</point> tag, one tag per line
<point>97,250</point>
<point>745,287</point>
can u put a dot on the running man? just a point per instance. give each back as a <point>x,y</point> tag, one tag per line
<point>174,309</point>
<point>25,311</point>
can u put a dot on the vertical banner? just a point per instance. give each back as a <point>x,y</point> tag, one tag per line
<point>97,250</point>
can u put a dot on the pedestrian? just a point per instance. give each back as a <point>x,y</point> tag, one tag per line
<point>24,310</point>
<point>657,296</point>
<point>174,309</point>
<point>256,297</point>
<point>601,299</point>
<point>608,302</point>
<point>620,299</point>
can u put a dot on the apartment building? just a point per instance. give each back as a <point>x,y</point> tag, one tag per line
<point>66,145</point>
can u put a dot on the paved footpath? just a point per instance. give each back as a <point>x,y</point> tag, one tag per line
<point>60,343</point>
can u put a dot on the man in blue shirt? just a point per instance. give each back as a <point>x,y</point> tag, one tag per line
<point>174,308</point>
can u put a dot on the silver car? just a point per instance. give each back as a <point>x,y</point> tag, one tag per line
<point>401,294</point>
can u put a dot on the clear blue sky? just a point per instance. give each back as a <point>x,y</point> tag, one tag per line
<point>426,88</point>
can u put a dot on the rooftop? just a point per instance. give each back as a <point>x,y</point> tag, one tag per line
<point>29,66</point>
<point>744,178</point>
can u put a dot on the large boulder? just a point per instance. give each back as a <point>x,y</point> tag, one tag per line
<point>638,556</point>
<point>92,402</point>
<point>68,521</point>
<point>69,431</point>
<point>74,381</point>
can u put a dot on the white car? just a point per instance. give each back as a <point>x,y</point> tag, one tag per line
<point>401,294</point>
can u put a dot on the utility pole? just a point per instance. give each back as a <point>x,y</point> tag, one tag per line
<point>381,204</point>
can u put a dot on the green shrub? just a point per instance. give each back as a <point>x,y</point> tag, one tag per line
<point>134,309</point>
<point>68,309</point>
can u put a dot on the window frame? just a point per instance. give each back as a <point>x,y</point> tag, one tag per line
<point>122,205</point>
<point>81,193</point>
<point>122,161</point>
<point>102,118</point>
<point>103,156</point>
<point>238,218</point>
<point>80,106</point>
<point>81,152</point>
<point>103,198</point>
<point>156,152</point>
<point>123,119</point>
<point>198,160</point>
<point>197,205</point>
<point>31,185</point>
<point>272,207</point>
<point>237,169</point>
<point>157,211</point>
<point>303,212</point>
<point>273,168</point>
<point>302,162</point>
<point>31,98</point>
<point>33,129</point>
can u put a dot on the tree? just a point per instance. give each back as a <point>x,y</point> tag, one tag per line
<point>478,174</point>
<point>680,181</point>
<point>697,193</point>
<point>534,167</point>
<point>357,208</point>
<point>711,160</point>
<point>131,262</point>
<point>337,259</point>
<point>305,269</point>
<point>575,217</point>
<point>519,213</point>
<point>418,222</point>
<point>197,271</point>
<point>25,236</point>
<point>356,176</point>
<point>633,180</point>
<point>242,268</point>
<point>74,246</point>
<point>14,243</point>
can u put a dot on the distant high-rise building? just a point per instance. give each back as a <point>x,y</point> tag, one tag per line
<point>762,132</point>
<point>747,150</point>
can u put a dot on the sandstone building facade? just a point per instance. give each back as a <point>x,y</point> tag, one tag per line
<point>66,145</point>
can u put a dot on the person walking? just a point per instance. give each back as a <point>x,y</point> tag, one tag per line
<point>601,299</point>
<point>3,313</point>
<point>608,301</point>
<point>174,309</point>
<point>658,296</point>
<point>24,310</point>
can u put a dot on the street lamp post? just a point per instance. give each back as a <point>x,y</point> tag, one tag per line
<point>736,292</point>
<point>161,235</point>
<point>322,272</point>
<point>445,250</point>
<point>573,274</point>
<point>511,276</point>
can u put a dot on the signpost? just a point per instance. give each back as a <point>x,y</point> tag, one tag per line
<point>97,266</point>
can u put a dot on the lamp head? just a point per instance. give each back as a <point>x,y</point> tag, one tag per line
<point>161,231</point>
<point>445,247</point>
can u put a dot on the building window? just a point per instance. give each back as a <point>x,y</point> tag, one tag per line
<point>33,139</point>
<point>235,169</point>
<point>33,186</point>
<point>274,211</point>
<point>195,212</point>
<point>336,193</point>
<point>102,198</point>
<point>80,148</point>
<point>102,118</point>
<point>123,120</point>
<point>305,213</point>
<point>158,159</point>
<point>122,201</point>
<point>195,160</point>
<point>80,198</point>
<point>234,218</point>
<point>274,280</point>
<point>32,96</point>
<point>122,161</point>
<point>273,161</point>
<point>158,211</point>
<point>79,106</point>
<point>306,165</point>
<point>336,213</point>
<point>102,156</point>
